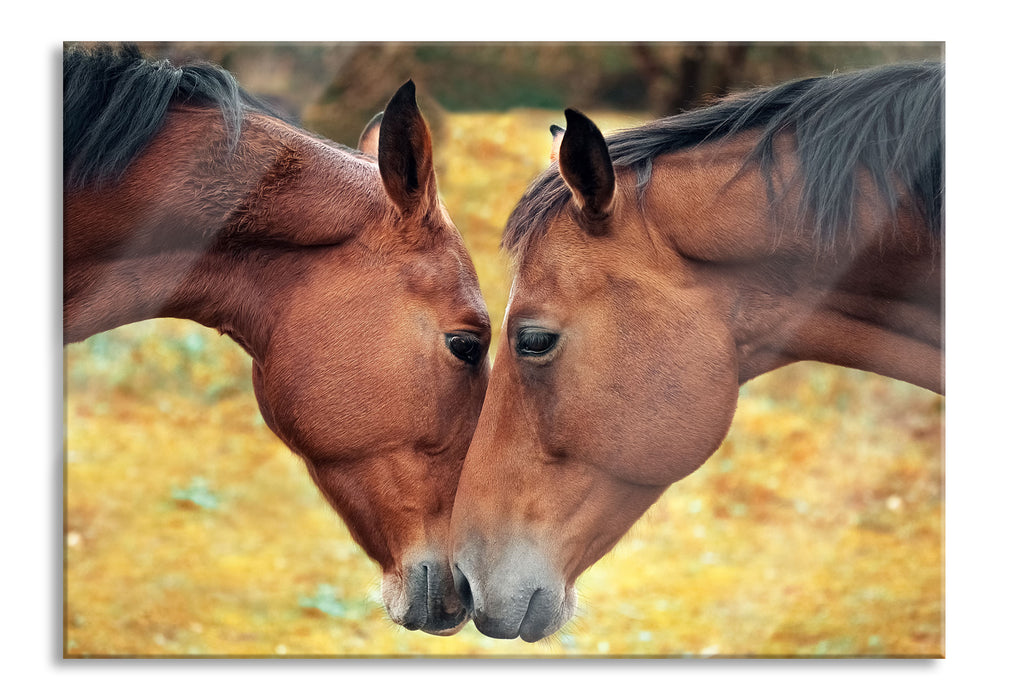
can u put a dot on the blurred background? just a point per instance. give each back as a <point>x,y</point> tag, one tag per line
<point>815,530</point>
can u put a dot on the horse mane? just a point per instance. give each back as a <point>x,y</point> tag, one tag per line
<point>115,101</point>
<point>888,120</point>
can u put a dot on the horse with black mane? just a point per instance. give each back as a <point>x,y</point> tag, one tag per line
<point>338,271</point>
<point>660,269</point>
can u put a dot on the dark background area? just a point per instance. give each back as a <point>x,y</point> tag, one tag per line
<point>334,88</point>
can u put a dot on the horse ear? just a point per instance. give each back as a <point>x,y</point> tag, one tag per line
<point>558,133</point>
<point>368,142</point>
<point>405,160</point>
<point>585,165</point>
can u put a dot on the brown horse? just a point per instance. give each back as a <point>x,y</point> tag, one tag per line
<point>342,276</point>
<point>658,271</point>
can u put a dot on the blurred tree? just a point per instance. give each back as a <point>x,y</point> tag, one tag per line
<point>678,76</point>
<point>360,87</point>
<point>334,89</point>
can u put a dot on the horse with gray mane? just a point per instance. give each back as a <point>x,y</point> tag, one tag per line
<point>659,270</point>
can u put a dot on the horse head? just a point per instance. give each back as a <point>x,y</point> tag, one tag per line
<point>613,380</point>
<point>376,367</point>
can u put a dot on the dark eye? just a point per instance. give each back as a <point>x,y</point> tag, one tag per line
<point>465,346</point>
<point>533,341</point>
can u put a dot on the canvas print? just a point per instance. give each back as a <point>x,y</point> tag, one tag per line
<point>556,350</point>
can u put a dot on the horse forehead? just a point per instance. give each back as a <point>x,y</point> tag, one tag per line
<point>443,272</point>
<point>570,264</point>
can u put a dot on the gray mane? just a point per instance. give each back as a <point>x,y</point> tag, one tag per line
<point>115,101</point>
<point>887,120</point>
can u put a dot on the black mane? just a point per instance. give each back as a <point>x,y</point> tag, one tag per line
<point>115,100</point>
<point>889,120</point>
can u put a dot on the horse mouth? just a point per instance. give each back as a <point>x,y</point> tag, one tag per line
<point>536,624</point>
<point>523,597</point>
<point>544,615</point>
<point>420,601</point>
<point>448,631</point>
<point>443,627</point>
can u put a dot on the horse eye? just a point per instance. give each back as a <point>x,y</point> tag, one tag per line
<point>532,341</point>
<point>465,346</point>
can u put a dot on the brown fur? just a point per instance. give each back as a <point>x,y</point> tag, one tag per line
<point>306,256</point>
<point>685,292</point>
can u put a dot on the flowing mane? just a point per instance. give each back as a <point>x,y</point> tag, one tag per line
<point>115,101</point>
<point>888,120</point>
<point>239,224</point>
<point>804,223</point>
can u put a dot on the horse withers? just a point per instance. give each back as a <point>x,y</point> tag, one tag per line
<point>658,271</point>
<point>340,274</point>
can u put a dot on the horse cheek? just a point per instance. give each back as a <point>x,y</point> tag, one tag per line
<point>702,411</point>
<point>678,396</point>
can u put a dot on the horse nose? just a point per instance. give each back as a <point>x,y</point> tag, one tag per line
<point>428,600</point>
<point>417,591</point>
<point>462,588</point>
<point>522,596</point>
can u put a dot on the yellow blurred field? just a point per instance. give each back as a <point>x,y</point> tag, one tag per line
<point>816,529</point>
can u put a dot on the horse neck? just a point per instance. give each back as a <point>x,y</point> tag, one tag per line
<point>206,287</point>
<point>197,230</point>
<point>877,310</point>
<point>873,302</point>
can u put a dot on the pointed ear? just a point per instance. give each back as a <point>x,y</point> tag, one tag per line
<point>555,147</point>
<point>404,155</point>
<point>368,142</point>
<point>585,165</point>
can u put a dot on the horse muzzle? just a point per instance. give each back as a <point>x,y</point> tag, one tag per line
<point>522,596</point>
<point>423,597</point>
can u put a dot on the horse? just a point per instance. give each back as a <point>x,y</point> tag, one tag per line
<point>658,270</point>
<point>338,271</point>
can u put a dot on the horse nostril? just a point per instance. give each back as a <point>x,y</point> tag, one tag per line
<point>463,589</point>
